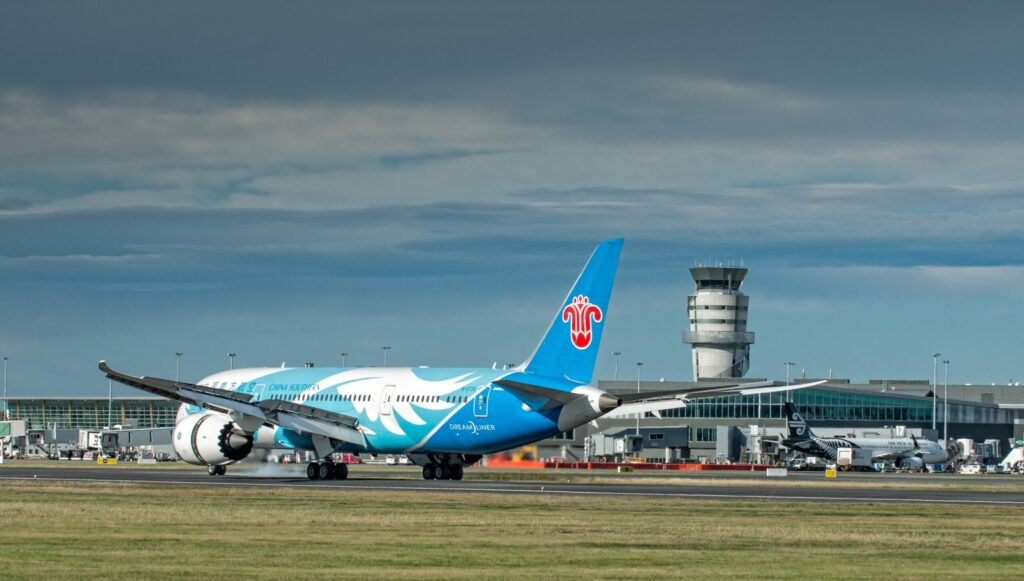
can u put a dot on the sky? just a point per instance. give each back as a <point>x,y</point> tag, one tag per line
<point>294,182</point>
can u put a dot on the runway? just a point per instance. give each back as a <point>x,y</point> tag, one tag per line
<point>751,488</point>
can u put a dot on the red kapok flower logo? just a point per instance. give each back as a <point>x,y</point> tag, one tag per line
<point>581,315</point>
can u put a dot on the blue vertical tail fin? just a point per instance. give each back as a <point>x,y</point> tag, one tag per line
<point>569,348</point>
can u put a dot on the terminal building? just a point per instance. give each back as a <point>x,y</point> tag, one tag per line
<point>51,426</point>
<point>728,428</point>
<point>91,413</point>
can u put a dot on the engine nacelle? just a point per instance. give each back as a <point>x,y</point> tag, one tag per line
<point>581,410</point>
<point>209,439</point>
<point>911,462</point>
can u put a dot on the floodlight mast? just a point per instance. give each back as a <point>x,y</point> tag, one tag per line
<point>935,387</point>
<point>5,418</point>
<point>945,402</point>
<point>638,414</point>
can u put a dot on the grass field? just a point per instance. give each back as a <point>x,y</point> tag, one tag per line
<point>59,531</point>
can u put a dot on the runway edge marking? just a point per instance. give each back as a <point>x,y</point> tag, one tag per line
<point>526,491</point>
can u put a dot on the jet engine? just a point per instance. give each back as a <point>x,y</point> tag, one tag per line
<point>210,439</point>
<point>912,463</point>
<point>954,451</point>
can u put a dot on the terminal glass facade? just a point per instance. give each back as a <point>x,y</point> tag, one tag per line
<point>814,404</point>
<point>92,413</point>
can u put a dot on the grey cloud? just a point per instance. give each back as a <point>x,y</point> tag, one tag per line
<point>346,172</point>
<point>114,130</point>
<point>15,204</point>
<point>666,231</point>
<point>407,49</point>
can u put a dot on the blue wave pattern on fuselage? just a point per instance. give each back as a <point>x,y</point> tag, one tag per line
<point>456,410</point>
<point>428,410</point>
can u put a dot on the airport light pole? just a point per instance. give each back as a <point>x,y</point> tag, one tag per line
<point>638,414</point>
<point>177,366</point>
<point>386,348</point>
<point>5,393</point>
<point>787,365</point>
<point>5,418</point>
<point>110,404</point>
<point>945,402</point>
<point>231,360</point>
<point>616,355</point>
<point>344,359</point>
<point>935,386</point>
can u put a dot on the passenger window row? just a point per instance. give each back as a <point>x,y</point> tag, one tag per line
<point>336,397</point>
<point>401,398</point>
<point>431,398</point>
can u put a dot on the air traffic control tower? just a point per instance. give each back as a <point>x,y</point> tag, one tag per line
<point>718,323</point>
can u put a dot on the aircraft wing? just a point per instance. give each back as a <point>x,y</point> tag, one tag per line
<point>248,414</point>
<point>908,453</point>
<point>914,452</point>
<point>659,401</point>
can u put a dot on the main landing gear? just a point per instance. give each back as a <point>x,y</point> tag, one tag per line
<point>442,471</point>
<point>326,471</point>
<point>217,470</point>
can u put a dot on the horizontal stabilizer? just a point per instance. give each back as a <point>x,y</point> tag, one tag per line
<point>703,392</point>
<point>536,396</point>
<point>778,388</point>
<point>652,407</point>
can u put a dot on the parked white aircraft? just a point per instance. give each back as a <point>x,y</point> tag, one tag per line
<point>909,452</point>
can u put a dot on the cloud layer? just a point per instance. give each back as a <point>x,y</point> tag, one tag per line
<point>177,170</point>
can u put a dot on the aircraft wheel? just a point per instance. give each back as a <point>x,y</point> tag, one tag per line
<point>213,470</point>
<point>457,471</point>
<point>444,472</point>
<point>327,471</point>
<point>341,471</point>
<point>429,471</point>
<point>313,471</point>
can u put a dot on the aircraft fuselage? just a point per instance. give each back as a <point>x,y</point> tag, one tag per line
<point>399,410</point>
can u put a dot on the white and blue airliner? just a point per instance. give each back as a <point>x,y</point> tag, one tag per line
<point>443,419</point>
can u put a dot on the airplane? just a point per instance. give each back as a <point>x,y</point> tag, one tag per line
<point>910,452</point>
<point>442,419</point>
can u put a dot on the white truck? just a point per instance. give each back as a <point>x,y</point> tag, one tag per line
<point>844,458</point>
<point>88,440</point>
